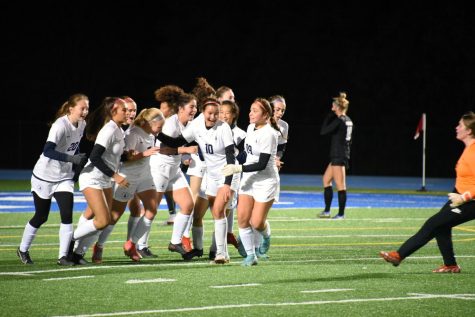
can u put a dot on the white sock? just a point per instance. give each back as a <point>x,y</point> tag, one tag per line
<point>246,235</point>
<point>131,224</point>
<point>82,220</point>
<point>29,235</point>
<point>197,237</point>
<point>104,236</point>
<point>188,226</point>
<point>83,244</point>
<point>266,232</point>
<point>65,235</point>
<point>179,227</point>
<point>220,232</point>
<point>230,219</point>
<point>143,226</point>
<point>84,229</point>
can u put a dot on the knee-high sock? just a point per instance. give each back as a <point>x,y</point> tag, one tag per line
<point>131,224</point>
<point>85,229</point>
<point>246,236</point>
<point>328,197</point>
<point>230,219</point>
<point>29,235</point>
<point>84,243</point>
<point>143,226</point>
<point>65,235</point>
<point>341,202</point>
<point>197,233</point>
<point>104,236</point>
<point>220,233</point>
<point>188,226</point>
<point>179,227</point>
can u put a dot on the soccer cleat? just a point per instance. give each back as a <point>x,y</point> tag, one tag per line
<point>391,257</point>
<point>220,259</point>
<point>63,261</point>
<point>231,239</point>
<point>171,219</point>
<point>176,248</point>
<point>78,259</point>
<point>241,250</point>
<point>24,256</point>
<point>261,256</point>
<point>186,243</point>
<point>146,253</point>
<point>265,245</point>
<point>447,269</point>
<point>131,251</point>
<point>197,253</point>
<point>250,260</point>
<point>212,255</point>
<point>97,254</point>
<point>324,214</point>
<point>339,217</point>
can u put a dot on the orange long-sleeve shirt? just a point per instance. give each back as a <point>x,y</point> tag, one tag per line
<point>465,169</point>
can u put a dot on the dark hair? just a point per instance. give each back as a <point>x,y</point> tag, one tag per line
<point>210,101</point>
<point>221,91</point>
<point>203,91</point>
<point>234,109</point>
<point>276,98</point>
<point>469,121</point>
<point>101,116</point>
<point>169,94</point>
<point>265,106</point>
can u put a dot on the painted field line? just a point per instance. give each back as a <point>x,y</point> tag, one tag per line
<point>68,278</point>
<point>321,302</point>
<point>330,290</point>
<point>192,264</point>
<point>235,285</point>
<point>155,280</point>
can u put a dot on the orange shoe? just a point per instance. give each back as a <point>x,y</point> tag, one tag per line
<point>97,254</point>
<point>131,251</point>
<point>186,242</point>
<point>231,239</point>
<point>391,257</point>
<point>447,269</point>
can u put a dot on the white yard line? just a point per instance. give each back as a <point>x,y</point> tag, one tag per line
<point>236,285</point>
<point>320,302</point>
<point>68,278</point>
<point>155,280</point>
<point>330,290</point>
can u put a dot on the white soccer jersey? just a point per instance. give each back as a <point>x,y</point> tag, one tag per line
<point>263,140</point>
<point>111,137</point>
<point>172,127</point>
<point>66,137</point>
<point>212,143</point>
<point>284,129</point>
<point>238,135</point>
<point>138,140</point>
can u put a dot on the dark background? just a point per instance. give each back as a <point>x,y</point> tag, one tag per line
<point>395,61</point>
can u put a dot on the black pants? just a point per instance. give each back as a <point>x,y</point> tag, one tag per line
<point>439,226</point>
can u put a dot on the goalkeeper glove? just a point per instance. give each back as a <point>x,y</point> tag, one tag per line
<point>230,169</point>
<point>458,199</point>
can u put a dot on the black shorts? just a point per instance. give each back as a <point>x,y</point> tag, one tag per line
<point>340,161</point>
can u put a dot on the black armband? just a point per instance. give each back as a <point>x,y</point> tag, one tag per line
<point>230,159</point>
<point>97,161</point>
<point>49,151</point>
<point>171,141</point>
<point>259,166</point>
<point>281,149</point>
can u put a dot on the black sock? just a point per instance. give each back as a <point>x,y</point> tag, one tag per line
<point>328,197</point>
<point>341,202</point>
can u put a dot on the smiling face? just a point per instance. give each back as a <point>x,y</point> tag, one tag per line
<point>279,110</point>
<point>131,107</point>
<point>257,114</point>
<point>226,114</point>
<point>211,115</point>
<point>79,111</point>
<point>119,112</point>
<point>188,111</point>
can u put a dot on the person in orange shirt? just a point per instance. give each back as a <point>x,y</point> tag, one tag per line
<point>459,209</point>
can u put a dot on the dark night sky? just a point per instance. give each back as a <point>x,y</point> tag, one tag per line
<point>394,60</point>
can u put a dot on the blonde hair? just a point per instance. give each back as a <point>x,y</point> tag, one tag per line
<point>148,114</point>
<point>341,101</point>
<point>70,103</point>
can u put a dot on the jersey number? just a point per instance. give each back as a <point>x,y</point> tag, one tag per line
<point>209,148</point>
<point>73,147</point>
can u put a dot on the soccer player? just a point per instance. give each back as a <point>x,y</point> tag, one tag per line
<point>214,138</point>
<point>95,180</point>
<point>340,127</point>
<point>260,182</point>
<point>459,209</point>
<point>53,176</point>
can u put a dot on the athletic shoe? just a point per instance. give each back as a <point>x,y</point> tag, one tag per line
<point>97,254</point>
<point>131,251</point>
<point>24,257</point>
<point>79,259</point>
<point>63,261</point>
<point>186,242</point>
<point>250,260</point>
<point>220,259</point>
<point>447,269</point>
<point>265,245</point>
<point>241,250</point>
<point>231,239</point>
<point>171,219</point>
<point>176,248</point>
<point>212,255</point>
<point>261,256</point>
<point>339,217</point>
<point>146,253</point>
<point>197,253</point>
<point>324,214</point>
<point>391,257</point>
